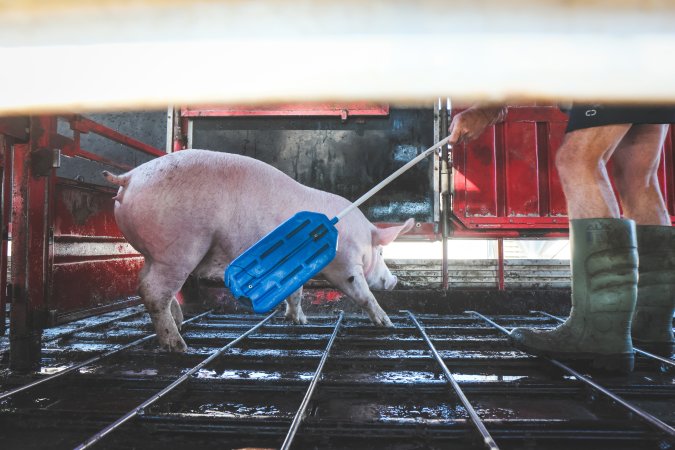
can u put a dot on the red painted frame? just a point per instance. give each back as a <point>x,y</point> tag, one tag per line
<point>69,257</point>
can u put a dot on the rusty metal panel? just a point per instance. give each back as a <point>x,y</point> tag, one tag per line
<point>94,267</point>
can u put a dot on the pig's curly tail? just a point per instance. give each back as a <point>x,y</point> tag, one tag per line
<point>119,180</point>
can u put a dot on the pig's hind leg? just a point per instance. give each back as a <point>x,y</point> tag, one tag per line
<point>158,287</point>
<point>356,288</point>
<point>294,309</point>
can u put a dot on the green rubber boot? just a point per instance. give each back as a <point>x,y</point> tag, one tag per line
<point>653,319</point>
<point>604,291</point>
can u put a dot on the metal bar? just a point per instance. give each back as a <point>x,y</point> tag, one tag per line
<point>500,263</point>
<point>670,362</point>
<point>91,326</point>
<point>444,195</point>
<point>5,207</point>
<point>485,434</point>
<point>71,147</point>
<point>84,125</point>
<point>140,408</point>
<point>300,414</point>
<point>70,369</point>
<point>650,419</point>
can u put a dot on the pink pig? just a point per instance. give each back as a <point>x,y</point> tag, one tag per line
<point>194,211</point>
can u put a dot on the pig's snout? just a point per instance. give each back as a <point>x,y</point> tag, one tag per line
<point>390,283</point>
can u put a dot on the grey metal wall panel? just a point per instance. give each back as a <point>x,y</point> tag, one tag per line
<point>346,158</point>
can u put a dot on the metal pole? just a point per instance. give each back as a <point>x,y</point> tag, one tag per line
<point>485,434</point>
<point>70,369</point>
<point>500,263</point>
<point>670,362</point>
<point>444,194</point>
<point>300,414</point>
<point>650,419</point>
<point>140,408</point>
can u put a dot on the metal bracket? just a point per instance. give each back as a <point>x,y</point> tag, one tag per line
<point>43,160</point>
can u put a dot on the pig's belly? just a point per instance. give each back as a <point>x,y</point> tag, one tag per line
<point>213,265</point>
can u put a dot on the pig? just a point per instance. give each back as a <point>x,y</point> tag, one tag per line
<point>194,211</point>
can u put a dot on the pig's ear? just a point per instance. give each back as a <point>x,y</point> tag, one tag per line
<point>384,236</point>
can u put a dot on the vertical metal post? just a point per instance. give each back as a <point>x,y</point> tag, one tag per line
<point>6,199</point>
<point>33,177</point>
<point>500,264</point>
<point>170,135</point>
<point>444,191</point>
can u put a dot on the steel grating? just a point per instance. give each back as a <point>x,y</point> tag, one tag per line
<point>336,383</point>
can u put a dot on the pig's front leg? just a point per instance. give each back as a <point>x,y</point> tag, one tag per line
<point>177,313</point>
<point>294,309</point>
<point>356,288</point>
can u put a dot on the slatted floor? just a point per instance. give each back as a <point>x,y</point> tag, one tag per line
<point>379,388</point>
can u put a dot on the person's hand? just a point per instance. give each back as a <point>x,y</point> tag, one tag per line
<point>471,123</point>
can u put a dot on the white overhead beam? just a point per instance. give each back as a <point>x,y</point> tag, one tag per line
<point>104,54</point>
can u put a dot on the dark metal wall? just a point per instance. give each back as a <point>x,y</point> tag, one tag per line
<point>343,157</point>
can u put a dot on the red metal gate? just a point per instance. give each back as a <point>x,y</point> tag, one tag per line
<point>69,259</point>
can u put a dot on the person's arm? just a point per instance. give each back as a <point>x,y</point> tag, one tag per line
<point>471,123</point>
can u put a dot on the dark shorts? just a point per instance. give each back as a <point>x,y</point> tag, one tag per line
<point>588,116</point>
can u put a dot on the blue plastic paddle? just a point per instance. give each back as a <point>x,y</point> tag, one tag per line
<point>288,256</point>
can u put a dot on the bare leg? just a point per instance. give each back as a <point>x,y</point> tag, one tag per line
<point>294,308</point>
<point>581,166</point>
<point>636,161</point>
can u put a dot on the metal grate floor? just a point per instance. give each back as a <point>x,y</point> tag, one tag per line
<point>379,388</point>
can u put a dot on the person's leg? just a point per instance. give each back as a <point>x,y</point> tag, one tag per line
<point>604,259</point>
<point>636,162</point>
<point>581,166</point>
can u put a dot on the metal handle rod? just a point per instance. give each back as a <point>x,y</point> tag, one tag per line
<point>485,434</point>
<point>390,178</point>
<point>670,362</point>
<point>92,360</point>
<point>137,410</point>
<point>300,414</point>
<point>650,419</point>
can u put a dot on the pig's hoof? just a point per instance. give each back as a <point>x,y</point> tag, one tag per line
<point>174,345</point>
<point>298,319</point>
<point>381,319</point>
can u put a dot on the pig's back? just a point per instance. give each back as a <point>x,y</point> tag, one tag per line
<point>231,199</point>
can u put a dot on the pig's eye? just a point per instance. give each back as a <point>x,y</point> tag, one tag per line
<point>381,252</point>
